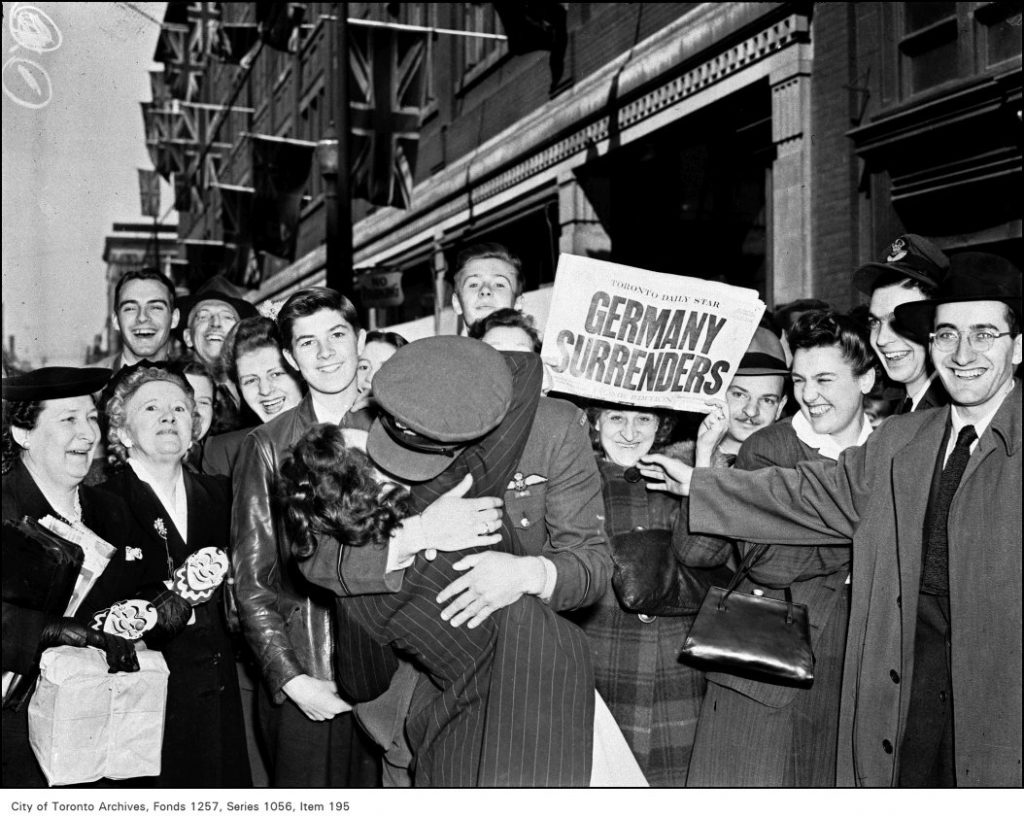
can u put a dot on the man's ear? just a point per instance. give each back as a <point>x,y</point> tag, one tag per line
<point>1017,349</point>
<point>186,335</point>
<point>175,317</point>
<point>287,353</point>
<point>778,410</point>
<point>867,381</point>
<point>456,304</point>
<point>518,305</point>
<point>114,322</point>
<point>361,341</point>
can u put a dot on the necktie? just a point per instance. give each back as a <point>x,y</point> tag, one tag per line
<point>906,406</point>
<point>935,574</point>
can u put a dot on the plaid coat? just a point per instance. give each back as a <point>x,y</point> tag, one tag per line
<point>655,699</point>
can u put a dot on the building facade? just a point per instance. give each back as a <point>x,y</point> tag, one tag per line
<point>769,145</point>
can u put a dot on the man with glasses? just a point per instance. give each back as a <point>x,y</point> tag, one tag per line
<point>912,270</point>
<point>931,505</point>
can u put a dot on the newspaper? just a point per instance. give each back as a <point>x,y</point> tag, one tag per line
<point>97,555</point>
<point>630,336</point>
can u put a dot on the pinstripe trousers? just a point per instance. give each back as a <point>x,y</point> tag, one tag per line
<point>511,702</point>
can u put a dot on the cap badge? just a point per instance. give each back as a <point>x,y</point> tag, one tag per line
<point>897,252</point>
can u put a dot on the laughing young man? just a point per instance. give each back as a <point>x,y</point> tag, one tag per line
<point>145,315</point>
<point>912,270</point>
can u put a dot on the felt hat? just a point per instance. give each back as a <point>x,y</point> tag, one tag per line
<point>216,288</point>
<point>437,395</point>
<point>972,276</point>
<point>764,356</point>
<point>54,382</point>
<point>911,256</point>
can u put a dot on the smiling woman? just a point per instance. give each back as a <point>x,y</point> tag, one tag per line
<point>152,424</point>
<point>50,433</point>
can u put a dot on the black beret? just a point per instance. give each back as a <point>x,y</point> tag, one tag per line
<point>54,382</point>
<point>436,394</point>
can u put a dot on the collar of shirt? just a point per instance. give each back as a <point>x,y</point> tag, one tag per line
<point>325,414</point>
<point>915,399</point>
<point>175,505</point>
<point>981,425</point>
<point>823,443</point>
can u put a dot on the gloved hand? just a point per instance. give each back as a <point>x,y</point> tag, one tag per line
<point>173,614</point>
<point>119,652</point>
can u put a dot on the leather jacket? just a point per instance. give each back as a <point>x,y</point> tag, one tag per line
<point>287,621</point>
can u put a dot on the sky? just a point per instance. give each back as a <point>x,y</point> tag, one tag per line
<point>69,165</point>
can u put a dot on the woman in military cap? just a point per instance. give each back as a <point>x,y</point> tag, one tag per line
<point>49,437</point>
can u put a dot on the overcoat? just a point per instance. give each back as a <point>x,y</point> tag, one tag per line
<point>761,734</point>
<point>653,697</point>
<point>875,496</point>
<point>109,518</point>
<point>204,739</point>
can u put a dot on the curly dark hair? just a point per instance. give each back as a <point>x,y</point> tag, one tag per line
<point>327,488</point>
<point>16,414</point>
<point>828,328</point>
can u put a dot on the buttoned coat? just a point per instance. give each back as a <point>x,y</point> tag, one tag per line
<point>109,518</point>
<point>653,697</point>
<point>204,737</point>
<point>875,497</point>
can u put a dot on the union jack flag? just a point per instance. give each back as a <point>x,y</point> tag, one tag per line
<point>385,93</point>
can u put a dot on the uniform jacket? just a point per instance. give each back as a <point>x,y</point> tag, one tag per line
<point>287,621</point>
<point>554,501</point>
<point>204,737</point>
<point>876,497</point>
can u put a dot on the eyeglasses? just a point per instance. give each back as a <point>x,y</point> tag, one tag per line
<point>977,339</point>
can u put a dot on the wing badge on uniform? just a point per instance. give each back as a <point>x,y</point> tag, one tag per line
<point>521,484</point>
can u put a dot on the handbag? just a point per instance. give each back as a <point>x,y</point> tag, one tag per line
<point>40,568</point>
<point>648,580</point>
<point>85,723</point>
<point>751,636</point>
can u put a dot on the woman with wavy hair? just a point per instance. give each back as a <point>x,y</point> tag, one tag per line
<point>755,734</point>
<point>152,423</point>
<point>252,360</point>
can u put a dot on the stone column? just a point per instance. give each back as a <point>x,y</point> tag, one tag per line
<point>791,177</point>
<point>582,232</point>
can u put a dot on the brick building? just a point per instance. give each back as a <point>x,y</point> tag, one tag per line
<point>770,145</point>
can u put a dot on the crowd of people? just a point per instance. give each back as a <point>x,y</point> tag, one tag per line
<point>425,546</point>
